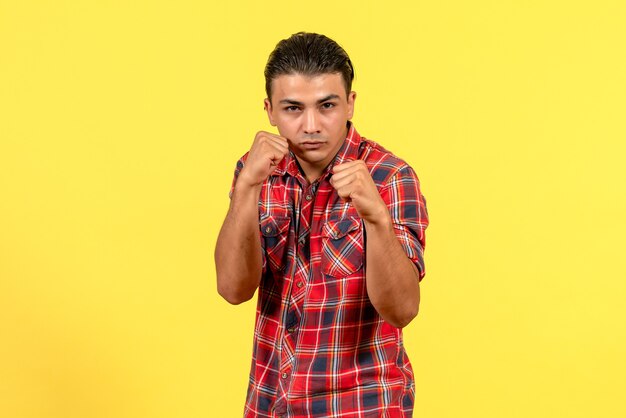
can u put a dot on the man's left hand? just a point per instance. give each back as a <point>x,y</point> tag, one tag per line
<point>354,184</point>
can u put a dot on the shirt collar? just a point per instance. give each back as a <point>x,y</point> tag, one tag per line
<point>349,151</point>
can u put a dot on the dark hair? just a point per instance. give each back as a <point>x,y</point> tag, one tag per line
<point>308,54</point>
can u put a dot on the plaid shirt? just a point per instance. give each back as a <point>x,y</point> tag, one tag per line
<point>320,347</point>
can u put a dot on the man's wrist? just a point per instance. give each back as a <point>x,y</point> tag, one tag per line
<point>244,186</point>
<point>381,220</point>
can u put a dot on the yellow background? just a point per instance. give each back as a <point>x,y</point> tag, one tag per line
<point>120,126</point>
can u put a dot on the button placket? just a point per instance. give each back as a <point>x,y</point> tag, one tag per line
<point>289,338</point>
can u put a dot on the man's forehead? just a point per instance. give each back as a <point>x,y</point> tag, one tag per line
<point>308,87</point>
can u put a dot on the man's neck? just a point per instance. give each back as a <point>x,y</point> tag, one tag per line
<point>311,173</point>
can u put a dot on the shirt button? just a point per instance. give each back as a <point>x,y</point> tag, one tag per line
<point>290,330</point>
<point>284,375</point>
<point>308,197</point>
<point>268,229</point>
<point>300,284</point>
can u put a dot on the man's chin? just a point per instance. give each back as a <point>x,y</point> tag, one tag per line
<point>310,157</point>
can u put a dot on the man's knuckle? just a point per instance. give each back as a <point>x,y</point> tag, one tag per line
<point>261,136</point>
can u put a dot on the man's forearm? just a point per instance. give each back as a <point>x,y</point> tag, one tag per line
<point>238,258</point>
<point>392,278</point>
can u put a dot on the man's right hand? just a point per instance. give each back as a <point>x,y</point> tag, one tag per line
<point>267,151</point>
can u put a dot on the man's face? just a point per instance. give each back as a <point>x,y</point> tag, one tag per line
<point>311,112</point>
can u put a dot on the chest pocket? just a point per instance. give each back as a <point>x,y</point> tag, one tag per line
<point>275,231</point>
<point>343,247</point>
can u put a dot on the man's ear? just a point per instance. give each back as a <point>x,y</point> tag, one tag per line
<point>351,99</point>
<point>268,109</point>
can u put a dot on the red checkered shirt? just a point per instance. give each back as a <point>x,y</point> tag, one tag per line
<point>320,347</point>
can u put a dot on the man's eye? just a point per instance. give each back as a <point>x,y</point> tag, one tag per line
<point>291,108</point>
<point>328,105</point>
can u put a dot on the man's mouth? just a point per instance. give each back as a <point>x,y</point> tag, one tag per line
<point>310,145</point>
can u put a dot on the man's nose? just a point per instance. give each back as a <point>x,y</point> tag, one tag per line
<point>311,122</point>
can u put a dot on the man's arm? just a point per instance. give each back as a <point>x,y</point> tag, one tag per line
<point>238,251</point>
<point>238,258</point>
<point>392,278</point>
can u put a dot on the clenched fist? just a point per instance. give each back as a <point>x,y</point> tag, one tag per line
<point>266,152</point>
<point>353,183</point>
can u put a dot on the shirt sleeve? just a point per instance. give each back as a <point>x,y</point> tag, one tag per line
<point>238,169</point>
<point>407,207</point>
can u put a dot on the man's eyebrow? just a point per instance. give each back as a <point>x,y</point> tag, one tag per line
<point>327,98</point>
<point>322,100</point>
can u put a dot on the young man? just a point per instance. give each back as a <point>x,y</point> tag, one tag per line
<point>329,226</point>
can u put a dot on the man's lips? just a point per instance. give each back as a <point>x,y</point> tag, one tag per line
<point>312,144</point>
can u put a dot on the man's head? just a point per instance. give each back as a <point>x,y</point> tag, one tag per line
<point>309,81</point>
<point>308,54</point>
